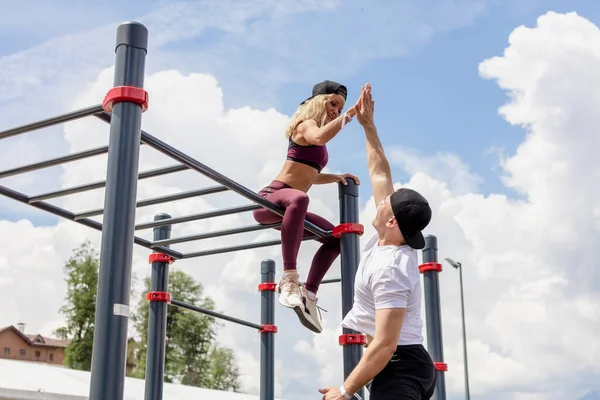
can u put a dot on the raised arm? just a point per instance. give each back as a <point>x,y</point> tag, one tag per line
<point>319,136</point>
<point>377,163</point>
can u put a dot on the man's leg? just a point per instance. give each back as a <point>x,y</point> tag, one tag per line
<point>409,375</point>
<point>394,385</point>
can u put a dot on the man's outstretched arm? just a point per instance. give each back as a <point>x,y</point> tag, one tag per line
<point>377,163</point>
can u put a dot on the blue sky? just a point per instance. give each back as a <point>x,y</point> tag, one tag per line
<point>429,99</point>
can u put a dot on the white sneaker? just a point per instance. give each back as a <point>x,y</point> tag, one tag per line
<point>309,313</point>
<point>289,290</point>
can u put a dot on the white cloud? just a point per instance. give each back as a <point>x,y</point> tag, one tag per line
<point>530,278</point>
<point>443,166</point>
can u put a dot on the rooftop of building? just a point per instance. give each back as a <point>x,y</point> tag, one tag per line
<point>36,339</point>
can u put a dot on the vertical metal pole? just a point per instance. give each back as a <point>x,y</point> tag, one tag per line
<point>267,339</point>
<point>114,280</point>
<point>349,259</point>
<point>433,315</point>
<point>157,320</point>
<point>464,332</point>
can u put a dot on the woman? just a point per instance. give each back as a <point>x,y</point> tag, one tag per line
<point>317,120</point>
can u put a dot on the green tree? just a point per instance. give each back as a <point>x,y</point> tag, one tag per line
<point>81,272</point>
<point>192,355</point>
<point>224,374</point>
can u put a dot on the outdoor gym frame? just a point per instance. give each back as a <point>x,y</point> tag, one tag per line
<point>122,108</point>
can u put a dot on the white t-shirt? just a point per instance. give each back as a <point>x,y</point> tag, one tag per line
<point>387,277</point>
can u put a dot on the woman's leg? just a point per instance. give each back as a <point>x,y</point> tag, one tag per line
<point>295,203</point>
<point>309,314</point>
<point>325,255</point>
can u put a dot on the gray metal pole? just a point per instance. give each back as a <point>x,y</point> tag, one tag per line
<point>267,334</point>
<point>464,332</point>
<point>157,318</point>
<point>114,280</point>
<point>430,270</point>
<point>349,259</point>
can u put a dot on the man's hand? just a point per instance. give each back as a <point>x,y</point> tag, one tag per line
<point>365,106</point>
<point>377,163</point>
<point>331,393</point>
<point>342,178</point>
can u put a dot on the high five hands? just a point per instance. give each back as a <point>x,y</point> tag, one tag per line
<point>365,106</point>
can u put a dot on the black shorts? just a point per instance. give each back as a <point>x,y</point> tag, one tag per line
<point>409,375</point>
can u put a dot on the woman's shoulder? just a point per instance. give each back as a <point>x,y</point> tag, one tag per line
<point>301,128</point>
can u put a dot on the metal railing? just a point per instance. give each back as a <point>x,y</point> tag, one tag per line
<point>123,112</point>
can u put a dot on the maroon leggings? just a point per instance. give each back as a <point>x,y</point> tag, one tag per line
<point>292,230</point>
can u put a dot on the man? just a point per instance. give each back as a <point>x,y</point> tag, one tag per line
<point>387,299</point>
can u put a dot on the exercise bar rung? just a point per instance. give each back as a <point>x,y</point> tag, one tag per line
<point>196,217</point>
<point>97,185</point>
<point>55,161</point>
<point>225,232</point>
<point>240,247</point>
<point>162,199</point>
<point>215,314</point>
<point>194,164</point>
<point>61,212</point>
<point>73,115</point>
<point>334,280</point>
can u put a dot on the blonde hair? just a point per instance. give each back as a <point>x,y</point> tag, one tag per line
<point>312,109</point>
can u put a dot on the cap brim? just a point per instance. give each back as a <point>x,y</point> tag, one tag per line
<point>416,240</point>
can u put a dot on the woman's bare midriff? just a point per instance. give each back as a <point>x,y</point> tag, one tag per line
<point>297,175</point>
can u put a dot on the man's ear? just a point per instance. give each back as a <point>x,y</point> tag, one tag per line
<point>391,222</point>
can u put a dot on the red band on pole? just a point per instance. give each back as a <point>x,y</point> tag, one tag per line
<point>430,266</point>
<point>266,286</point>
<point>349,338</point>
<point>125,93</point>
<point>268,328</point>
<point>158,296</point>
<point>349,227</point>
<point>160,258</point>
<point>440,366</point>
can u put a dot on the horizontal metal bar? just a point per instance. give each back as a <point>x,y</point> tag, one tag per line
<point>324,281</point>
<point>61,212</point>
<point>97,185</point>
<point>162,199</point>
<point>215,176</point>
<point>84,112</point>
<point>196,217</point>
<point>208,235</point>
<point>215,314</point>
<point>55,161</point>
<point>241,247</point>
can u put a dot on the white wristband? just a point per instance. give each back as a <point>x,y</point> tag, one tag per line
<point>346,116</point>
<point>347,396</point>
<point>343,392</point>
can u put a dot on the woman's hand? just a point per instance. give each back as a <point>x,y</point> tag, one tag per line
<point>323,179</point>
<point>342,178</point>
